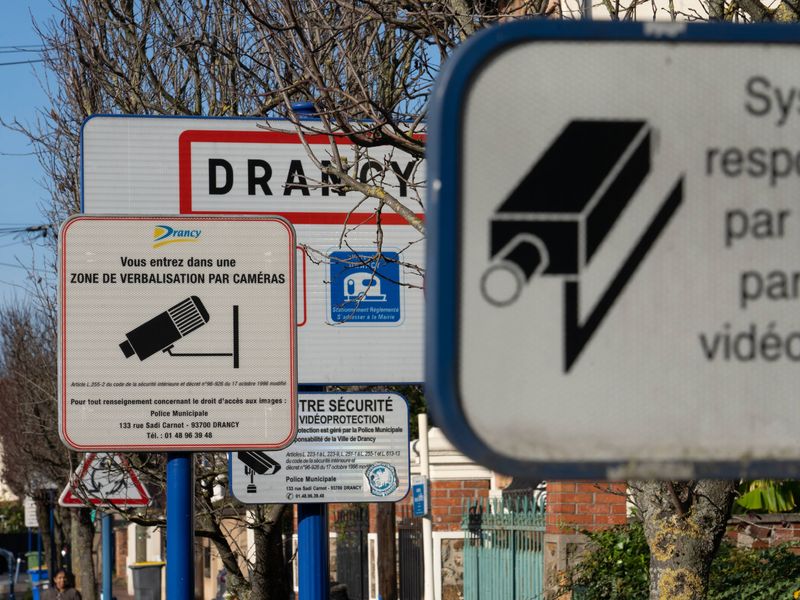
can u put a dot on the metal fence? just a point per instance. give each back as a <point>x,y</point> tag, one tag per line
<point>352,568</point>
<point>503,549</point>
<point>409,538</point>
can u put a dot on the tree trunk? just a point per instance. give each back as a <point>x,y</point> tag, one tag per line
<point>684,524</point>
<point>270,579</point>
<point>82,545</point>
<point>387,553</point>
<point>236,582</point>
<point>43,517</point>
<point>64,529</point>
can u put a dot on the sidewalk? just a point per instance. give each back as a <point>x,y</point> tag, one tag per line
<point>119,591</point>
<point>23,585</point>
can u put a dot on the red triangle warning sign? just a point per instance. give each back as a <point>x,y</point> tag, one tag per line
<point>104,479</point>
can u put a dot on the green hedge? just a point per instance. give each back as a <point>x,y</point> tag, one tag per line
<point>616,568</point>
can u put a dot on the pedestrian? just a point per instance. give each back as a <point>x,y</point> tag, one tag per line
<point>64,587</point>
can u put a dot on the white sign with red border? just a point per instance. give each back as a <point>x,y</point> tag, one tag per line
<point>103,480</point>
<point>360,320</point>
<point>177,333</point>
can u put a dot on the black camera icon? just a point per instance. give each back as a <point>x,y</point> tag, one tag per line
<point>160,333</point>
<point>558,216</point>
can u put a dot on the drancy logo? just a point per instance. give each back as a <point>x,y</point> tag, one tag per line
<point>164,234</point>
<point>560,214</point>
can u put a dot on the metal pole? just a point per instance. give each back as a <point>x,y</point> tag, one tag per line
<point>108,523</point>
<point>313,567</point>
<point>312,551</point>
<point>11,595</point>
<point>53,560</point>
<point>39,546</point>
<point>180,526</point>
<point>427,520</point>
<point>9,557</point>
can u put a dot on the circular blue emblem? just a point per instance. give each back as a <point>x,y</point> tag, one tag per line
<point>382,479</point>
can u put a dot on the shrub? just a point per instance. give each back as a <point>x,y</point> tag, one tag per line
<point>615,567</point>
<point>12,517</point>
<point>771,574</point>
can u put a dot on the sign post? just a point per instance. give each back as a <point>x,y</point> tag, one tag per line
<point>108,553</point>
<point>313,554</point>
<point>350,447</point>
<point>105,480</point>
<point>180,528</point>
<point>352,301</point>
<point>613,254</point>
<point>313,568</point>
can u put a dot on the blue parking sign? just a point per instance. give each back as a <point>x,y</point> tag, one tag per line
<point>419,495</point>
<point>365,288</point>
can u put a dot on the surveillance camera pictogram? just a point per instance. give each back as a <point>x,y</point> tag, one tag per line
<point>557,218</point>
<point>257,463</point>
<point>160,333</point>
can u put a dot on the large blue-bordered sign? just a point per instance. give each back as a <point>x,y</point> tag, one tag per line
<point>613,233</point>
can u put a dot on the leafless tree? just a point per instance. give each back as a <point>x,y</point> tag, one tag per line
<point>366,69</point>
<point>35,461</point>
<point>747,11</point>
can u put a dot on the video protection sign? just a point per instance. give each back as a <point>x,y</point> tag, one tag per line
<point>351,447</point>
<point>177,333</point>
<point>617,269</point>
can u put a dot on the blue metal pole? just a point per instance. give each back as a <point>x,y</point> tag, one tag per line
<point>108,523</point>
<point>180,526</point>
<point>312,551</point>
<point>313,567</point>
<point>39,545</point>
<point>52,560</point>
<point>37,587</point>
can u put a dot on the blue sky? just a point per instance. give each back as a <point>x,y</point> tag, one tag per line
<point>21,190</point>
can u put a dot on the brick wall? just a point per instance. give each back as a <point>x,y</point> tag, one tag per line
<point>447,501</point>
<point>763,531</point>
<point>574,506</point>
